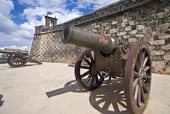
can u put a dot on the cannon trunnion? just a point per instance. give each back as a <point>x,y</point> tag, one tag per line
<point>108,57</point>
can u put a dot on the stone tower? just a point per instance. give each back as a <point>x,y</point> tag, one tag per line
<point>50,21</point>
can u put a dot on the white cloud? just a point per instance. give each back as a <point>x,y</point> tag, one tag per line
<point>94,4</point>
<point>24,48</point>
<point>11,33</point>
<point>65,15</point>
<point>6,24</point>
<point>44,3</point>
<point>5,7</point>
<point>22,34</point>
<point>58,8</point>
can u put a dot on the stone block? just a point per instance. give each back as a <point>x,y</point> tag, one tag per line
<point>94,30</point>
<point>93,24</point>
<point>132,40</point>
<point>164,36</point>
<point>158,63</point>
<point>157,42</point>
<point>121,33</point>
<point>107,28</point>
<point>114,22</point>
<point>161,15</point>
<point>104,24</point>
<point>151,48</point>
<point>155,33</point>
<point>159,69</point>
<point>131,23</point>
<point>129,28</point>
<point>167,57</point>
<point>167,41</point>
<point>164,26</point>
<point>113,31</point>
<point>108,35</point>
<point>139,35</point>
<point>133,32</point>
<point>123,24</point>
<point>168,70</point>
<point>97,26</point>
<point>126,36</point>
<point>125,20</point>
<point>140,27</point>
<point>157,53</point>
<point>166,47</point>
<point>157,58</point>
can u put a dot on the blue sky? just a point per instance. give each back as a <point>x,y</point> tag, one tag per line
<point>19,17</point>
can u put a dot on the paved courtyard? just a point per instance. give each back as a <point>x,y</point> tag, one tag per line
<point>51,89</point>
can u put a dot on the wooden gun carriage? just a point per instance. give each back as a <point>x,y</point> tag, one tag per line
<point>109,57</point>
<point>18,58</point>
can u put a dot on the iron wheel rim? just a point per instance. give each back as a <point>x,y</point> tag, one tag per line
<point>137,86</point>
<point>89,79</point>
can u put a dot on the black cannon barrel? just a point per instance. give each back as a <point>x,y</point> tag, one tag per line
<point>80,37</point>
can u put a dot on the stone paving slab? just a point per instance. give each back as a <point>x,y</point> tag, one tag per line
<point>51,89</point>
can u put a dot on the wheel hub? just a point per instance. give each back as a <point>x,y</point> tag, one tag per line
<point>142,76</point>
<point>93,70</point>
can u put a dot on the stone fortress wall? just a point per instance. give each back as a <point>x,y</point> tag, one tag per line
<point>131,20</point>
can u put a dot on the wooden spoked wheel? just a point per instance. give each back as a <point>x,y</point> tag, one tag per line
<point>138,78</point>
<point>85,71</point>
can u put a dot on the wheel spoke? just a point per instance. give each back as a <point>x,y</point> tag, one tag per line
<point>145,90</point>
<point>85,67</point>
<point>145,61</point>
<point>139,97</point>
<point>96,79</point>
<point>92,82</point>
<point>142,95</point>
<point>135,82</point>
<point>146,68</point>
<point>87,61</point>
<point>136,74</point>
<point>137,66</point>
<point>88,79</point>
<point>143,57</point>
<point>91,56</point>
<point>100,75</point>
<point>85,74</point>
<point>139,59</point>
<point>136,91</point>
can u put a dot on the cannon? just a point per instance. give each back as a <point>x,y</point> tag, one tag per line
<point>111,57</point>
<point>18,58</point>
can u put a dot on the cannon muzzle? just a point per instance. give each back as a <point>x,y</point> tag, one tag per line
<point>80,37</point>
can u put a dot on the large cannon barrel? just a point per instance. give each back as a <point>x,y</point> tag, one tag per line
<point>80,37</point>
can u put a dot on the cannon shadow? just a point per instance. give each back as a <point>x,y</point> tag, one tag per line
<point>1,101</point>
<point>108,99</point>
<point>26,65</point>
<point>70,86</point>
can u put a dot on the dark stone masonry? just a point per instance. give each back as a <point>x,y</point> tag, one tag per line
<point>131,20</point>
